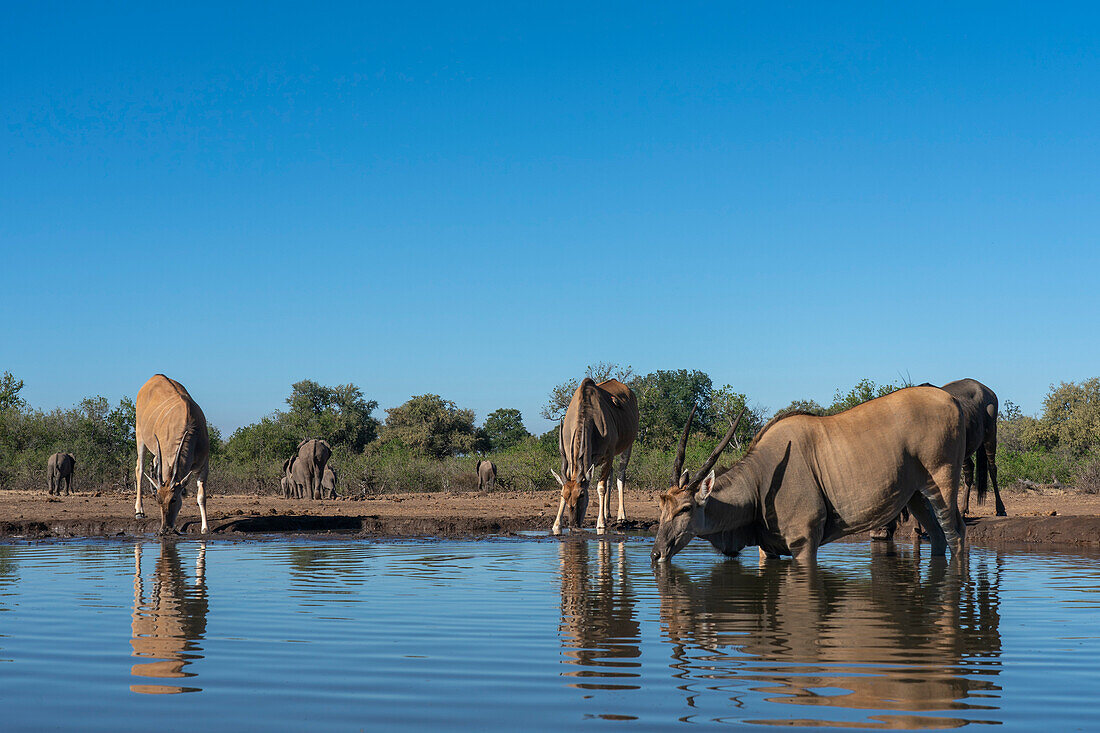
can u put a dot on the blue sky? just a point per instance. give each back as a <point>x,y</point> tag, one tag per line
<point>478,201</point>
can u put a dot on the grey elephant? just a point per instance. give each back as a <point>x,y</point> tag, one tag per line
<point>308,470</point>
<point>486,475</point>
<point>290,488</point>
<point>328,482</point>
<point>60,469</point>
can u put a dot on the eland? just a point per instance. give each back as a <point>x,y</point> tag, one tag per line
<point>806,480</point>
<point>172,424</point>
<point>600,423</point>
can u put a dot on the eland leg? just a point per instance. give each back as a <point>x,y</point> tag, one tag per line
<point>766,555</point>
<point>920,509</point>
<point>556,529</point>
<point>623,461</point>
<point>805,542</point>
<point>200,497</point>
<point>941,497</point>
<point>139,512</point>
<point>968,480</point>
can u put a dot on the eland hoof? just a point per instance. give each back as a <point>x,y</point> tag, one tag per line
<point>139,515</point>
<point>555,530</point>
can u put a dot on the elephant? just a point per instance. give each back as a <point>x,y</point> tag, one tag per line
<point>328,482</point>
<point>289,487</point>
<point>486,475</point>
<point>60,468</point>
<point>308,467</point>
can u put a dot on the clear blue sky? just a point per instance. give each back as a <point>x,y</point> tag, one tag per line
<point>477,200</point>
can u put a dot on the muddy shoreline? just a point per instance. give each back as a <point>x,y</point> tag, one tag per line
<point>32,515</point>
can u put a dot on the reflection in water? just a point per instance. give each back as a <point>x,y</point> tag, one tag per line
<point>168,625</point>
<point>599,631</point>
<point>9,576</point>
<point>896,642</point>
<point>8,569</point>
<point>325,569</point>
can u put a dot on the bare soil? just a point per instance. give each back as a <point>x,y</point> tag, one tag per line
<point>1049,517</point>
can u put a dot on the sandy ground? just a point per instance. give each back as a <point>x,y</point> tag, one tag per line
<point>1052,517</point>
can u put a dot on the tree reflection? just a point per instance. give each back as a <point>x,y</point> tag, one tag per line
<point>908,638</point>
<point>9,570</point>
<point>168,625</point>
<point>598,628</point>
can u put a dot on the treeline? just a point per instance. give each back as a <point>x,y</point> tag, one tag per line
<point>431,444</point>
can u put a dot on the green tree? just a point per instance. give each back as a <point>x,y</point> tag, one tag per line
<point>599,372</point>
<point>272,439</point>
<point>102,438</point>
<point>810,406</point>
<point>1015,430</point>
<point>1070,418</point>
<point>726,404</point>
<point>338,414</point>
<point>665,399</point>
<point>548,442</point>
<point>10,387</point>
<point>504,428</point>
<point>863,391</point>
<point>433,426</point>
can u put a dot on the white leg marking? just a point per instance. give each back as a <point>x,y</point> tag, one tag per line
<point>201,499</point>
<point>622,511</point>
<point>138,511</point>
<point>556,529</point>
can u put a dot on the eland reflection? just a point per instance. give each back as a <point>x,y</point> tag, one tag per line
<point>599,631</point>
<point>168,625</point>
<point>897,642</point>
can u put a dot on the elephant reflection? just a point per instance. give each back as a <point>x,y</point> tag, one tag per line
<point>168,625</point>
<point>8,568</point>
<point>599,631</point>
<point>893,642</point>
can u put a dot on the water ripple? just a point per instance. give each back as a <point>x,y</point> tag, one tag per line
<point>497,635</point>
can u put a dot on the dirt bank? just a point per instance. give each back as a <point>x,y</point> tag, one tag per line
<point>463,514</point>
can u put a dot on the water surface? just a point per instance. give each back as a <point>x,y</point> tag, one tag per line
<point>509,634</point>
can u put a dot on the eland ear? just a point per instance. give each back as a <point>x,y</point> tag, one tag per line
<point>706,486</point>
<point>684,478</point>
<point>591,471</point>
<point>559,478</point>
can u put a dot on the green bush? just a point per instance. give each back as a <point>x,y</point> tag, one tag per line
<point>1039,465</point>
<point>101,438</point>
